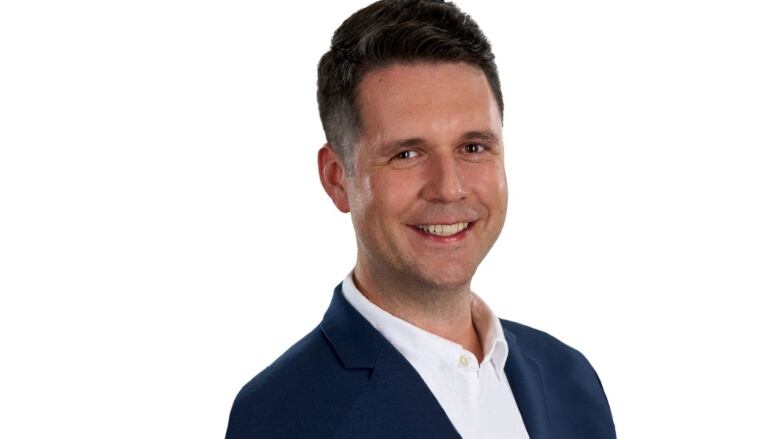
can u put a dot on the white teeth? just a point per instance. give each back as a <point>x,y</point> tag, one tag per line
<point>443,229</point>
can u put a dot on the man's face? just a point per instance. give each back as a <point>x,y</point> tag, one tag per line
<point>430,162</point>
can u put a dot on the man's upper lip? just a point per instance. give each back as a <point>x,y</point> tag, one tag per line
<point>442,222</point>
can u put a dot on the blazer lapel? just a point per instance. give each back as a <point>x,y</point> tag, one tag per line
<point>525,379</point>
<point>396,402</point>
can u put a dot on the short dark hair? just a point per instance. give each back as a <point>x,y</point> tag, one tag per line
<point>387,32</point>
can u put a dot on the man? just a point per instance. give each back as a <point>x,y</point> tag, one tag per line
<point>411,105</point>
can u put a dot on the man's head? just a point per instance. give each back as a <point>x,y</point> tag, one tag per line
<point>412,93</point>
<point>387,32</point>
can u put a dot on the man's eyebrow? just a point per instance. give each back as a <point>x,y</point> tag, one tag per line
<point>487,136</point>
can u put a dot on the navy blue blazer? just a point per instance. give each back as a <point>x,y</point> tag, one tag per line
<point>345,380</point>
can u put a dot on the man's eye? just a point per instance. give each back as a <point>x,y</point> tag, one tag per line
<point>474,148</point>
<point>406,154</point>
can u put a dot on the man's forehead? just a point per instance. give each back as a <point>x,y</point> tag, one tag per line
<point>403,102</point>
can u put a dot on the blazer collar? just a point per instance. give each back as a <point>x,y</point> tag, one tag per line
<point>358,346</point>
<point>356,343</point>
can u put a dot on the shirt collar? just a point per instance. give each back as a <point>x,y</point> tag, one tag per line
<point>416,342</point>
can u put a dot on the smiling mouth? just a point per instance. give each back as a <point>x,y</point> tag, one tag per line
<point>443,229</point>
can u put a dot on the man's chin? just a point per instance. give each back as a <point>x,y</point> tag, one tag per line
<point>447,279</point>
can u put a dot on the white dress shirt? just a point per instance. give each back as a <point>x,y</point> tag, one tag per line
<point>476,397</point>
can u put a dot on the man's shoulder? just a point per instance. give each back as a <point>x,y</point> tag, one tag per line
<point>307,379</point>
<point>290,366</point>
<point>551,354</point>
<point>299,372</point>
<point>571,384</point>
<point>532,340</point>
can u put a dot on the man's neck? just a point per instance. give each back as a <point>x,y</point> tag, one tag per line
<point>444,313</point>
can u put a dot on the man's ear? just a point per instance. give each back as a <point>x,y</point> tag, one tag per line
<point>333,176</point>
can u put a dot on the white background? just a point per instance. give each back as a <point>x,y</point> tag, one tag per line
<point>164,237</point>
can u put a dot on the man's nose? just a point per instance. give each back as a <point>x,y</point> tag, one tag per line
<point>445,182</point>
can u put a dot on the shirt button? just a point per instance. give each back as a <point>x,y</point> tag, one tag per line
<point>464,360</point>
